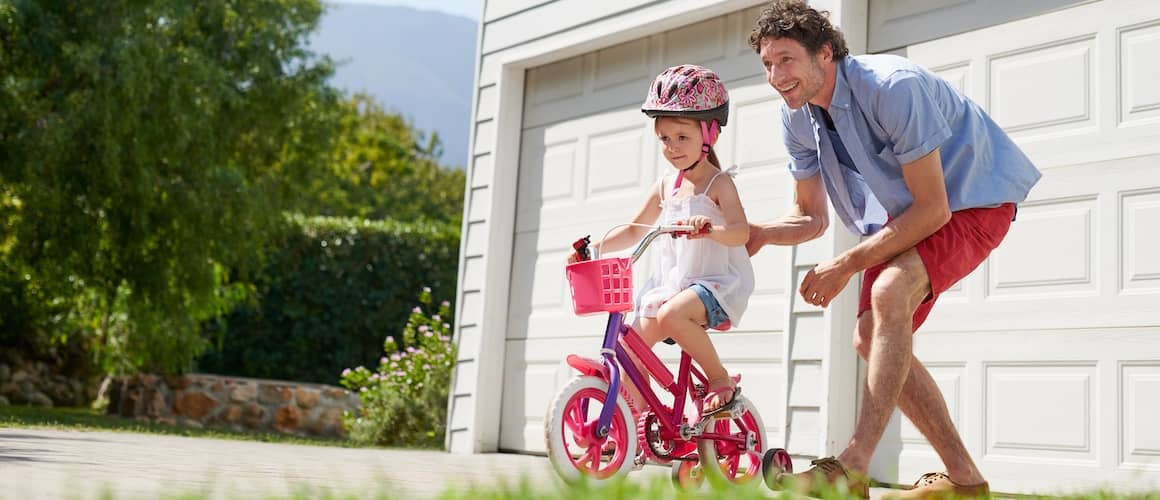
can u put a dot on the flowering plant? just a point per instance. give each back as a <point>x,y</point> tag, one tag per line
<point>404,398</point>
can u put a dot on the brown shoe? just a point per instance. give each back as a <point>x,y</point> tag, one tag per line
<point>938,485</point>
<point>825,474</point>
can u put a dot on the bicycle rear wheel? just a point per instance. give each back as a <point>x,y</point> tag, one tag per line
<point>731,461</point>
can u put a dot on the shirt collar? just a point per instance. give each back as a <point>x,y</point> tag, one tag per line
<point>841,97</point>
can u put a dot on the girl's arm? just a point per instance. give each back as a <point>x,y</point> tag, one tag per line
<point>735,232</point>
<point>626,236</point>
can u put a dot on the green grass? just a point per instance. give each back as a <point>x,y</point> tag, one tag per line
<point>655,489</point>
<point>83,419</point>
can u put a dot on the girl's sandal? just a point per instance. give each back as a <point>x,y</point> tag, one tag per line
<point>719,393</point>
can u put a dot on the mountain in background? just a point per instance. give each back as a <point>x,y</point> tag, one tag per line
<point>418,63</point>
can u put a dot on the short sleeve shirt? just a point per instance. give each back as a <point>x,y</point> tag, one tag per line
<point>889,112</point>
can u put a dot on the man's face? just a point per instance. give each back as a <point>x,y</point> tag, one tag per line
<point>792,71</point>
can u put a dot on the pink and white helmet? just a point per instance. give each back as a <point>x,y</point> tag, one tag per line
<point>688,91</point>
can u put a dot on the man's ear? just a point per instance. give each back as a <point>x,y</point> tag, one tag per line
<point>827,52</point>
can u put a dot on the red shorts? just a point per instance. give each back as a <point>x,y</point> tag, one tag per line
<point>951,253</point>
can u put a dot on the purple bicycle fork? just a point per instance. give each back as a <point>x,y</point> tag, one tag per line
<point>611,347</point>
<point>612,333</point>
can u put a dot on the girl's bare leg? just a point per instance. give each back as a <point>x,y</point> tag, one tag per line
<point>682,318</point>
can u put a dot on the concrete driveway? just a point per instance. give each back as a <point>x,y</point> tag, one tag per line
<point>64,464</point>
<point>71,464</point>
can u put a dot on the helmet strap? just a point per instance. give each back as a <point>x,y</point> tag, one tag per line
<point>709,133</point>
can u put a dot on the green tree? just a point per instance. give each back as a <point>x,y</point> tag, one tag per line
<point>382,168</point>
<point>145,148</point>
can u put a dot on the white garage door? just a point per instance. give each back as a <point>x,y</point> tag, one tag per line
<point>1049,354</point>
<point>587,157</point>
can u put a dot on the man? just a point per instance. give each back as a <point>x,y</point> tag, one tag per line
<point>929,180</point>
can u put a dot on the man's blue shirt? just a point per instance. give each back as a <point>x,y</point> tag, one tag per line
<point>888,112</point>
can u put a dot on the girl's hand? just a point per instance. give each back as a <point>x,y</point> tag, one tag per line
<point>702,226</point>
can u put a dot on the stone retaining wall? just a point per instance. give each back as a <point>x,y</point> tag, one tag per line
<point>25,381</point>
<point>198,400</point>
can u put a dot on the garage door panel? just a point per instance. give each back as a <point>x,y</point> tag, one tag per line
<point>621,64</point>
<point>1023,265</point>
<point>758,139</point>
<point>702,43</point>
<point>556,81</point>
<point>958,74</point>
<point>1041,411</point>
<point>1140,383</point>
<point>1141,95</point>
<point>584,172</point>
<point>1140,211</point>
<point>1044,89</point>
<point>614,164</point>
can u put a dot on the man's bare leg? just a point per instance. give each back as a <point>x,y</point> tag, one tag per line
<point>895,295</point>
<point>922,403</point>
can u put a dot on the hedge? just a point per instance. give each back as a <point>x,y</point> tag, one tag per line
<point>330,296</point>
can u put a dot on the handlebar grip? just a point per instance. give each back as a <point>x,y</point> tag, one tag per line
<point>681,228</point>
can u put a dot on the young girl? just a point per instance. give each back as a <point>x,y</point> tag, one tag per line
<point>703,280</point>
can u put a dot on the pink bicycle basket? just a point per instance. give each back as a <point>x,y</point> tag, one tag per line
<point>601,285</point>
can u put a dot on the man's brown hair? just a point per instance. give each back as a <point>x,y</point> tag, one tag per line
<point>796,20</point>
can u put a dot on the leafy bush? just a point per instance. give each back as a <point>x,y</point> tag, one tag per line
<point>329,295</point>
<point>404,399</point>
<point>131,130</point>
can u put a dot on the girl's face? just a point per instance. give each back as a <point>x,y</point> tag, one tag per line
<point>680,140</point>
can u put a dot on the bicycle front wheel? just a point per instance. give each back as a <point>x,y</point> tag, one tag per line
<point>570,431</point>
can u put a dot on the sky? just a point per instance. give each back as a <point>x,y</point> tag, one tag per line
<point>466,8</point>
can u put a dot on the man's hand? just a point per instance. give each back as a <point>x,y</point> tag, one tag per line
<point>823,282</point>
<point>756,239</point>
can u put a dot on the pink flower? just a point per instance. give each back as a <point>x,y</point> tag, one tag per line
<point>416,310</point>
<point>445,304</point>
<point>428,334</point>
<point>423,328</point>
<point>346,372</point>
<point>436,317</point>
<point>427,289</point>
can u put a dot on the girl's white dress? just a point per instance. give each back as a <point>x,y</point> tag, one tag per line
<point>678,263</point>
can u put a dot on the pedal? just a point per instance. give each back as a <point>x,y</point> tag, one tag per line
<point>638,461</point>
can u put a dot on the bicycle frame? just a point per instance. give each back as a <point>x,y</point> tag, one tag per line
<point>615,358</point>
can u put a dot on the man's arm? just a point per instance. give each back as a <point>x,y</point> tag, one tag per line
<point>924,178</point>
<point>807,219</point>
<point>926,215</point>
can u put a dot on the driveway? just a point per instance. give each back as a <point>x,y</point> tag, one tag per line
<point>71,464</point>
<point>64,464</point>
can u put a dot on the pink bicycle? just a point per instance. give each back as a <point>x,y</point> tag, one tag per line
<point>591,431</point>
